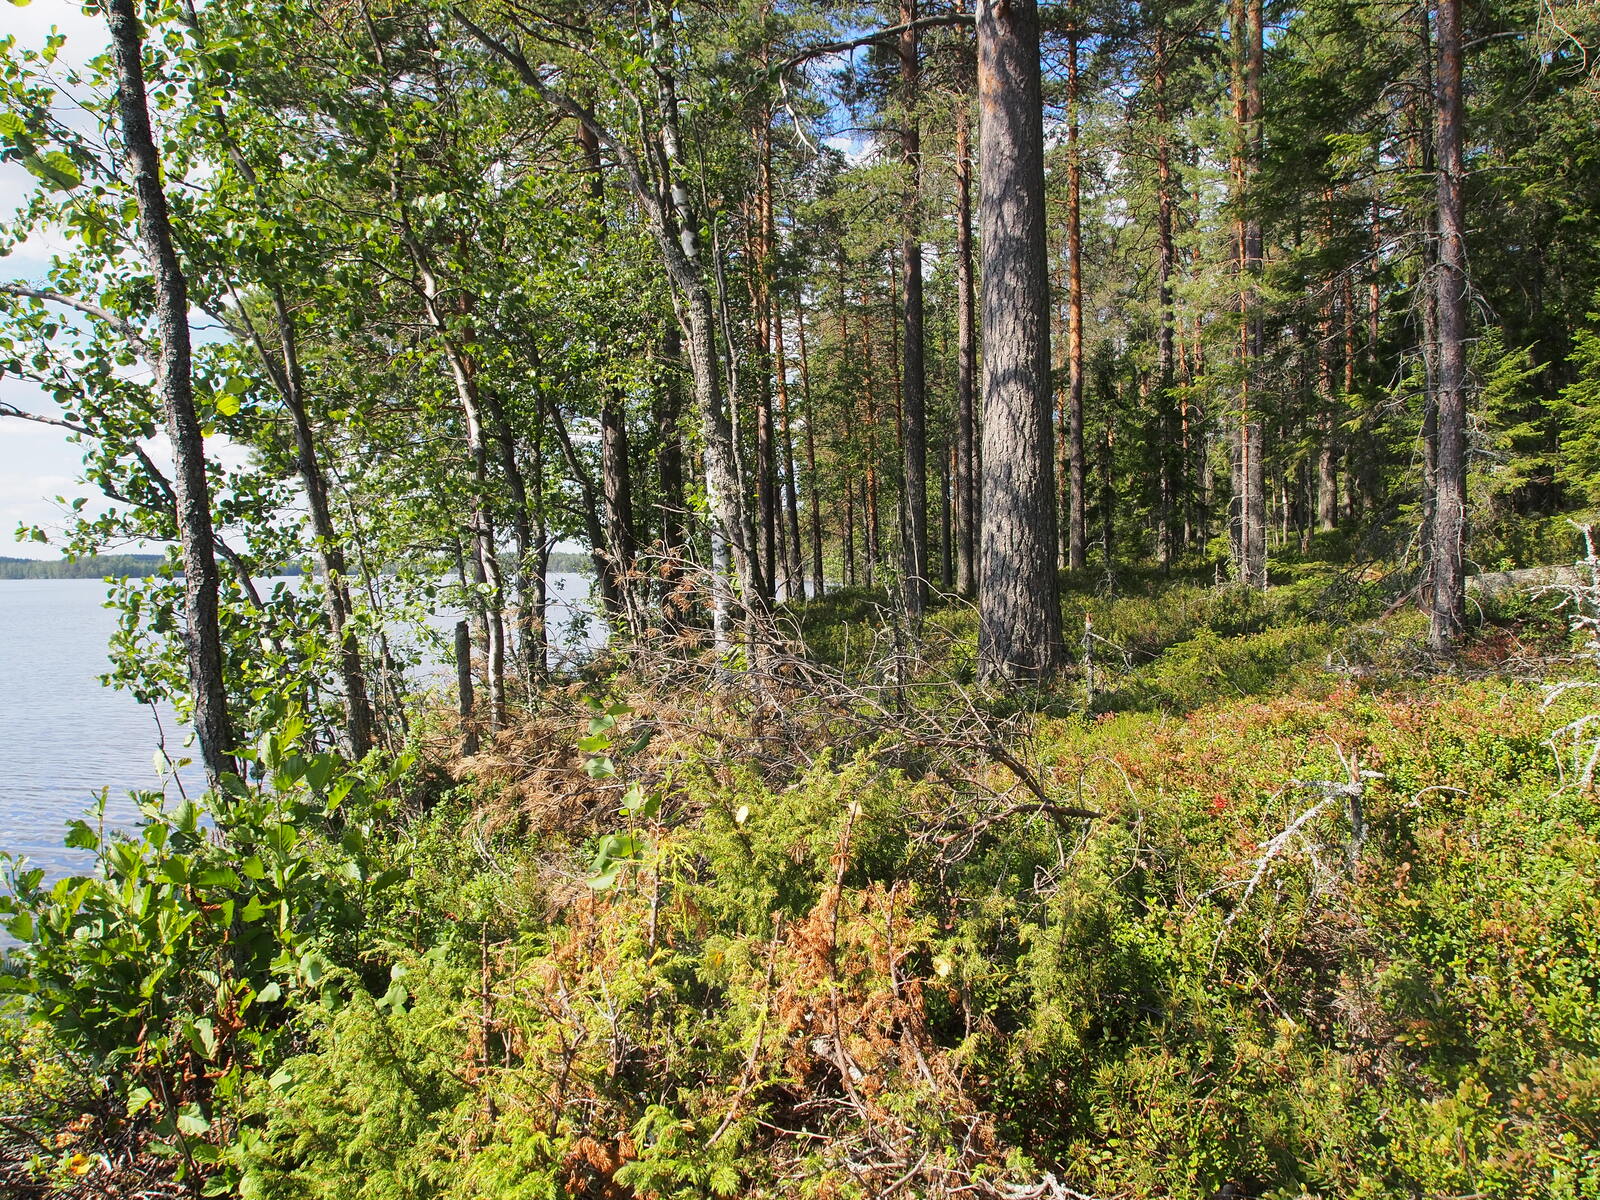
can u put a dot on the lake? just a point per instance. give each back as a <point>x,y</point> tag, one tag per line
<point>66,736</point>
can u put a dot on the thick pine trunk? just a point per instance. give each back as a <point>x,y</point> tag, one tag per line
<point>793,570</point>
<point>1019,603</point>
<point>1077,536</point>
<point>1447,614</point>
<point>913,378</point>
<point>872,551</point>
<point>1250,492</point>
<point>175,384</point>
<point>1168,460</point>
<point>966,483</point>
<point>813,494</point>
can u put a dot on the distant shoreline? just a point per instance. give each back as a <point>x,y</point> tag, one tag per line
<point>99,566</point>
<point>138,566</point>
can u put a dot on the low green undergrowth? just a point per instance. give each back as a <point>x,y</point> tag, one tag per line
<point>1334,931</point>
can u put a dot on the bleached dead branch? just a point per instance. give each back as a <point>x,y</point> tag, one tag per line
<point>1581,601</point>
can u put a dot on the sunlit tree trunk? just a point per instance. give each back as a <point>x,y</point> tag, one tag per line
<point>1019,631</point>
<point>1077,537</point>
<point>175,385</point>
<point>913,381</point>
<point>761,305</point>
<point>1447,615</point>
<point>793,570</point>
<point>1249,489</point>
<point>813,489</point>
<point>966,481</point>
<point>1168,435</point>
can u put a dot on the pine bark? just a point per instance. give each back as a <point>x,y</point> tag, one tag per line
<point>1250,498</point>
<point>1447,615</point>
<point>1077,536</point>
<point>966,480</point>
<point>793,570</point>
<point>761,304</point>
<point>873,548</point>
<point>1019,631</point>
<point>1168,459</point>
<point>912,376</point>
<point>813,493</point>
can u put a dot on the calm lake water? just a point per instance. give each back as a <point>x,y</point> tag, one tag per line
<point>65,736</point>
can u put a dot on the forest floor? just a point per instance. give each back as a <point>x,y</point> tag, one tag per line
<point>1262,900</point>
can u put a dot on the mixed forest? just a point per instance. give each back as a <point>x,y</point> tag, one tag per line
<point>1089,505</point>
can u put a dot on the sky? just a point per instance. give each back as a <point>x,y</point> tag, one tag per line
<point>37,463</point>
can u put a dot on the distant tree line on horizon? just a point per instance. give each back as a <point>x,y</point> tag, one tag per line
<point>140,566</point>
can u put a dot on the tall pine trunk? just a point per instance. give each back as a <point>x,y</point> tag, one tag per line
<point>793,571</point>
<point>813,494</point>
<point>1019,613</point>
<point>1447,613</point>
<point>966,481</point>
<point>1249,470</point>
<point>1077,536</point>
<point>912,377</point>
<point>1168,460</point>
<point>761,305</point>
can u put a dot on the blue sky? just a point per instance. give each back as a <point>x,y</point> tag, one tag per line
<point>37,463</point>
